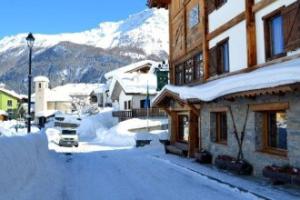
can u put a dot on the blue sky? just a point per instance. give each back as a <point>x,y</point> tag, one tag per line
<point>58,16</point>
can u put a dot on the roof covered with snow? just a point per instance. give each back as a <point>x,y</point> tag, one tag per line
<point>130,67</point>
<point>41,79</point>
<point>10,93</point>
<point>135,83</point>
<point>266,77</point>
<point>2,112</point>
<point>76,89</point>
<point>101,89</point>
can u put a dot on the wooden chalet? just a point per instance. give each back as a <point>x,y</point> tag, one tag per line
<point>214,43</point>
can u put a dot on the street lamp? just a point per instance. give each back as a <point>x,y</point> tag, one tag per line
<point>30,40</point>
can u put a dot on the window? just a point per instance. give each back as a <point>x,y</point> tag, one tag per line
<point>129,105</point>
<point>198,66</point>
<point>194,16</point>
<point>179,74</point>
<point>223,57</point>
<point>218,123</point>
<point>183,129</point>
<point>274,36</point>
<point>9,103</point>
<point>219,3</point>
<point>125,105</point>
<point>40,85</point>
<point>271,127</point>
<point>275,130</point>
<point>190,71</point>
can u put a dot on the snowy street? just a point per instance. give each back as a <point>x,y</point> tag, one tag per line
<point>137,174</point>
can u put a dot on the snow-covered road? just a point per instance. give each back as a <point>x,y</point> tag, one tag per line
<point>131,174</point>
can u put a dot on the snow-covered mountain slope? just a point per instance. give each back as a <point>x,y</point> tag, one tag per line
<point>145,30</point>
<point>86,56</point>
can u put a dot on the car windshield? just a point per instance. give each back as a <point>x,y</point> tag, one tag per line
<point>69,132</point>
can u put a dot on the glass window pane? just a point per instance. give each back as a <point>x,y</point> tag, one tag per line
<point>277,36</point>
<point>226,57</point>
<point>277,137</point>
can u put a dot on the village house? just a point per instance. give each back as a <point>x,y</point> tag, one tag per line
<point>235,74</point>
<point>132,87</point>
<point>99,96</point>
<point>9,103</point>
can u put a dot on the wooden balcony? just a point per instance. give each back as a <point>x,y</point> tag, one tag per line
<point>158,3</point>
<point>139,113</point>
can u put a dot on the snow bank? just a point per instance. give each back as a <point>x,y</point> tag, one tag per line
<point>15,128</point>
<point>122,134</point>
<point>89,126</point>
<point>266,77</point>
<point>25,164</point>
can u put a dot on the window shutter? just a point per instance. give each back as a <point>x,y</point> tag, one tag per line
<point>210,6</point>
<point>213,61</point>
<point>291,26</point>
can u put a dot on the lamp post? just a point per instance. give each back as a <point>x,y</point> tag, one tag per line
<point>30,40</point>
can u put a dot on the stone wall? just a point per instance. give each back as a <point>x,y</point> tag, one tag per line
<point>253,138</point>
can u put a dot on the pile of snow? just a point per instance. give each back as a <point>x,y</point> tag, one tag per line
<point>89,126</point>
<point>122,134</point>
<point>25,167</point>
<point>15,128</point>
<point>266,77</point>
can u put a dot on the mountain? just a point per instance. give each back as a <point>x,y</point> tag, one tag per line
<point>86,56</point>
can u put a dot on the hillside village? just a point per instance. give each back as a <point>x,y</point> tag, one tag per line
<point>218,118</point>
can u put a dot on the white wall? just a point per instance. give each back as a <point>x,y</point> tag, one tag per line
<point>225,13</point>
<point>40,96</point>
<point>122,98</point>
<point>237,46</point>
<point>261,56</point>
<point>137,99</point>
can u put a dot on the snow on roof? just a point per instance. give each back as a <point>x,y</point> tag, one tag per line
<point>46,113</point>
<point>271,76</point>
<point>11,93</point>
<point>2,112</point>
<point>101,89</point>
<point>54,96</point>
<point>130,67</point>
<point>76,89</point>
<point>136,83</point>
<point>41,79</point>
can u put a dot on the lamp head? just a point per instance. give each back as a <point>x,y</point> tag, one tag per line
<point>30,40</point>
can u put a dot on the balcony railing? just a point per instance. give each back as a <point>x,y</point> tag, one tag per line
<point>139,113</point>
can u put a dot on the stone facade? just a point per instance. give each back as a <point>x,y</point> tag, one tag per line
<point>253,137</point>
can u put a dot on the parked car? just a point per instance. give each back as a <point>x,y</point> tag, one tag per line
<point>68,138</point>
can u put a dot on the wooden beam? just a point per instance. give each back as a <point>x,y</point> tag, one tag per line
<point>193,109</point>
<point>231,23</point>
<point>251,34</point>
<point>219,109</point>
<point>205,45</point>
<point>167,111</point>
<point>261,5</point>
<point>269,106</point>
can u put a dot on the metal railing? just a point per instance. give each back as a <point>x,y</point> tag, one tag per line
<point>136,113</point>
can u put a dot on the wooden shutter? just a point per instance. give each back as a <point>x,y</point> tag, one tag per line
<point>210,6</point>
<point>213,61</point>
<point>291,26</point>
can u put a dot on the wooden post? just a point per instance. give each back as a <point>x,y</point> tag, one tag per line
<point>193,134</point>
<point>205,45</point>
<point>251,34</point>
<point>174,127</point>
